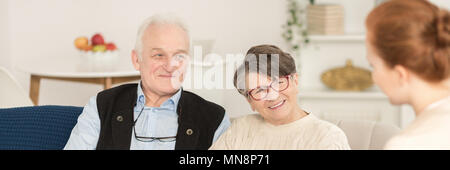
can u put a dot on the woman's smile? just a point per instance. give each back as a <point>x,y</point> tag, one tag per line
<point>278,105</point>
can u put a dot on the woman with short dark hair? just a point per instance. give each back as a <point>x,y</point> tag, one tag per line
<point>269,81</point>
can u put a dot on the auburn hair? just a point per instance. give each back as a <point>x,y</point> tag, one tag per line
<point>414,34</point>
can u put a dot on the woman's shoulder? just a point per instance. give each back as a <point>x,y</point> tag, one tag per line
<point>243,125</point>
<point>248,119</point>
<point>316,121</point>
<point>332,137</point>
<point>429,132</point>
<point>325,127</point>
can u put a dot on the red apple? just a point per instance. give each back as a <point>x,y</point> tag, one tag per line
<point>111,46</point>
<point>97,39</point>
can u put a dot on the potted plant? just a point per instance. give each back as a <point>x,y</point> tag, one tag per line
<point>295,29</point>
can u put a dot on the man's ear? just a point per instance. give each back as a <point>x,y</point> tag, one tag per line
<point>135,60</point>
<point>403,75</point>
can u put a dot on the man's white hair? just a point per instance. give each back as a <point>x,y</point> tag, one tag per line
<point>158,19</point>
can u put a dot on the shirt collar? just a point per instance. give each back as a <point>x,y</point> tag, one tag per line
<point>171,103</point>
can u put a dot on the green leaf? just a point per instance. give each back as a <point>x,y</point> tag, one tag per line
<point>292,11</point>
<point>296,18</point>
<point>304,33</point>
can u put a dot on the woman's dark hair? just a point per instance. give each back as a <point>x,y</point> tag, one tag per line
<point>260,59</point>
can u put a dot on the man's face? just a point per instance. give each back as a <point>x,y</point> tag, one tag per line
<point>164,58</point>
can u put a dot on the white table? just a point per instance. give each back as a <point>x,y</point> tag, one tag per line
<point>77,69</point>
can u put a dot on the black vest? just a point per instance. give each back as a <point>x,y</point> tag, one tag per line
<point>198,119</point>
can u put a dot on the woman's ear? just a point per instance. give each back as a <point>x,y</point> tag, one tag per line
<point>135,60</point>
<point>295,78</point>
<point>402,74</point>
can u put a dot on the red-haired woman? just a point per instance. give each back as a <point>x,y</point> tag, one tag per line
<point>408,43</point>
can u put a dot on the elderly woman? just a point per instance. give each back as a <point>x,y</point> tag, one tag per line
<point>269,82</point>
<point>409,50</point>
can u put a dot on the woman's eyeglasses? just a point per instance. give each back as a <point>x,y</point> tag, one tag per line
<point>278,85</point>
<point>150,139</point>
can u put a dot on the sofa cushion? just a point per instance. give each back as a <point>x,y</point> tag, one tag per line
<point>37,128</point>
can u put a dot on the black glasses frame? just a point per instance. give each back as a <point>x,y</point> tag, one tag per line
<point>150,139</point>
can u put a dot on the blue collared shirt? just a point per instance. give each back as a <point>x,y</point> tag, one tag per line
<point>154,122</point>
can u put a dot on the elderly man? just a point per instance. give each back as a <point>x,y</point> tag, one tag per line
<point>156,113</point>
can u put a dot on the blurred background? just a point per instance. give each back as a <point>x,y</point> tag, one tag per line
<point>42,33</point>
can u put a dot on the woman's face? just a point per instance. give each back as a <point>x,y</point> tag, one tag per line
<point>278,106</point>
<point>388,79</point>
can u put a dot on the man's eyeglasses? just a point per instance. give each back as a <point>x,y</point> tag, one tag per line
<point>278,85</point>
<point>150,139</point>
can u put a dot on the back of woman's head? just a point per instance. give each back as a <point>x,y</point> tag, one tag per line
<point>414,34</point>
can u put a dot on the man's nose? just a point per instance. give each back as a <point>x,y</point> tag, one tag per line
<point>172,64</point>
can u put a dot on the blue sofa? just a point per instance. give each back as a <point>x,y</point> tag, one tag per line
<point>37,128</point>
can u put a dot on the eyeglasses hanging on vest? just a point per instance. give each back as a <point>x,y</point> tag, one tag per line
<point>150,139</point>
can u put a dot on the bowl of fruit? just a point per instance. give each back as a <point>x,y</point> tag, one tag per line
<point>96,53</point>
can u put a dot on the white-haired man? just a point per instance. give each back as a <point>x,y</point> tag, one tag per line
<point>156,113</point>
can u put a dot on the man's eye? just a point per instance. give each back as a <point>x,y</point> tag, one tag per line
<point>181,56</point>
<point>158,55</point>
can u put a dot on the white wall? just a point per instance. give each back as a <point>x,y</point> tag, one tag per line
<point>442,3</point>
<point>45,30</point>
<point>5,58</point>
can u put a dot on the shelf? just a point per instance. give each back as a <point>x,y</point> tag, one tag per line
<point>345,37</point>
<point>331,94</point>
